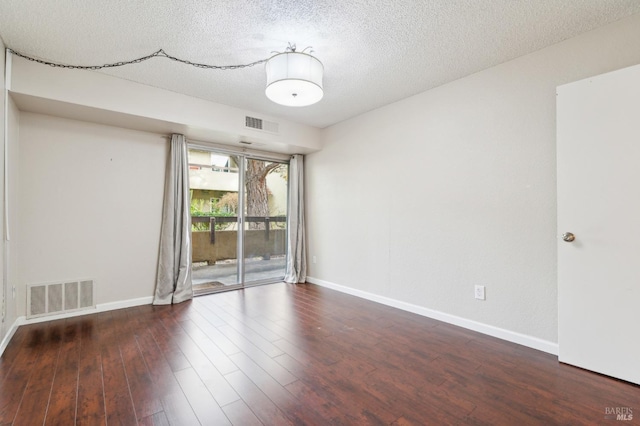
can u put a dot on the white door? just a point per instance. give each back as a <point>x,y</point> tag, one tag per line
<point>599,203</point>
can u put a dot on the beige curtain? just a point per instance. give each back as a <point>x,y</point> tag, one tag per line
<point>173,283</point>
<point>296,271</point>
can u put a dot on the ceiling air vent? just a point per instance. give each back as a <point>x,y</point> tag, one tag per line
<point>260,124</point>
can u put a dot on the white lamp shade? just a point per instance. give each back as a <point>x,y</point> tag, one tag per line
<point>294,79</point>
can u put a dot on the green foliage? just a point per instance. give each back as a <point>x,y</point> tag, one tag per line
<point>198,210</point>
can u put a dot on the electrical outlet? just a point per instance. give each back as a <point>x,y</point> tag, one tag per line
<point>313,259</point>
<point>479,292</point>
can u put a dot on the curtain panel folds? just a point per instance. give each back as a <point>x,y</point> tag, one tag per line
<point>296,270</point>
<point>173,283</point>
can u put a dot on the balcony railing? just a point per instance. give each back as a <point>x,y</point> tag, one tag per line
<point>222,244</point>
<point>213,220</point>
<point>223,169</point>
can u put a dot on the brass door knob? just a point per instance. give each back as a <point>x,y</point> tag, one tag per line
<point>568,237</point>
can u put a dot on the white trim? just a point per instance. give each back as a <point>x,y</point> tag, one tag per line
<point>242,193</point>
<point>102,307</point>
<point>5,184</point>
<point>121,304</point>
<point>8,61</point>
<point>7,88</point>
<point>500,333</point>
<point>233,150</point>
<point>9,335</point>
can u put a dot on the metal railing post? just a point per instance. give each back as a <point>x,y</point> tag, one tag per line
<point>212,229</point>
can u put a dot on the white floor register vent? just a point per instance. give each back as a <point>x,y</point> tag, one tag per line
<point>58,298</point>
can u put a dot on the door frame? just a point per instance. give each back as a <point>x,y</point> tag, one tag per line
<point>242,155</point>
<point>598,280</point>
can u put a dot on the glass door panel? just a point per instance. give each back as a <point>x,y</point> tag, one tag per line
<point>214,182</point>
<point>265,233</point>
<point>238,215</point>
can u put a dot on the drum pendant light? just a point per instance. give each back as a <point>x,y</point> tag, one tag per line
<point>294,79</point>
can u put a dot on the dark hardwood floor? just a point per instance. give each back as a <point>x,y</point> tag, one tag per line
<point>284,354</point>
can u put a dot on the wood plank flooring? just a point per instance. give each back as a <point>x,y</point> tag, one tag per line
<point>288,355</point>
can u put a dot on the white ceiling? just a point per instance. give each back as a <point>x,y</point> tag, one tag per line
<point>374,52</point>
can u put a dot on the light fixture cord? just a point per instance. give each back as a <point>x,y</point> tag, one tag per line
<point>160,53</point>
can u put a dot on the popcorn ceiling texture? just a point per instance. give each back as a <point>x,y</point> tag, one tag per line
<point>374,52</point>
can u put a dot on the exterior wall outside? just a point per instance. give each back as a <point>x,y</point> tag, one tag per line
<point>199,157</point>
<point>277,194</point>
<point>213,180</point>
<point>227,241</point>
<point>207,184</point>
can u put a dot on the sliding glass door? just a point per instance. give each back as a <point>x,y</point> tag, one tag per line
<point>239,213</point>
<point>265,219</point>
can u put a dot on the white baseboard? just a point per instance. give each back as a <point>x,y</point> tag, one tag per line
<point>102,307</point>
<point>112,306</point>
<point>8,336</point>
<point>500,333</point>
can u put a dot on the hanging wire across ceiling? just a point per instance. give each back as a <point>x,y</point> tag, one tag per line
<point>293,78</point>
<point>158,54</point>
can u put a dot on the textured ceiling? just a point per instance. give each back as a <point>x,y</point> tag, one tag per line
<point>374,51</point>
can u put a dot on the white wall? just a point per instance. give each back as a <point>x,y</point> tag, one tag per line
<point>9,122</point>
<point>8,254</point>
<point>4,325</point>
<point>90,206</point>
<point>11,251</point>
<point>96,97</point>
<point>420,200</point>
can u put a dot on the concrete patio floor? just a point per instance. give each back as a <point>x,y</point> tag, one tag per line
<point>225,273</point>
